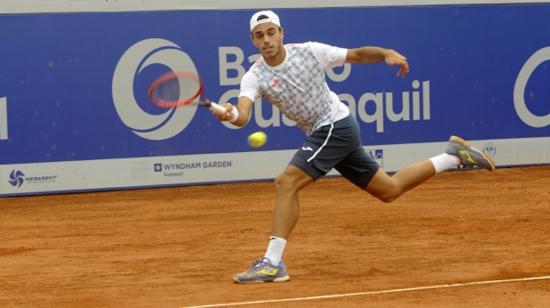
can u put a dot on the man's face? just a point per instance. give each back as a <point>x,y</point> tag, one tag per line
<point>268,38</point>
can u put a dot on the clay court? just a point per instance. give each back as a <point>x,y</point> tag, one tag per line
<point>463,239</point>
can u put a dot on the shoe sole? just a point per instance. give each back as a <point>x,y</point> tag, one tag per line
<point>466,144</point>
<point>279,279</point>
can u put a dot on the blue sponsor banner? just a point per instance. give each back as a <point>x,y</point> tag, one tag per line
<point>72,86</point>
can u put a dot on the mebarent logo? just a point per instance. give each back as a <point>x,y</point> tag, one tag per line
<point>133,61</point>
<point>16,178</point>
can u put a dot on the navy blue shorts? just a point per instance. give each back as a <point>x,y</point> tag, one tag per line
<point>338,146</point>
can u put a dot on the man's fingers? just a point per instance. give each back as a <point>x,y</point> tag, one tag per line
<point>403,71</point>
<point>225,115</point>
<point>229,111</point>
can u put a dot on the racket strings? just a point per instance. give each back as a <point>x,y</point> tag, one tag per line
<point>175,89</point>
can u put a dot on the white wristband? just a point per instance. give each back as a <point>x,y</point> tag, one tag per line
<point>234,114</point>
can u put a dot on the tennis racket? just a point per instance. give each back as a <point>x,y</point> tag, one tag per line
<point>179,89</point>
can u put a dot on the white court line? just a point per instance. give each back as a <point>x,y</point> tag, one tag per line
<point>439,286</point>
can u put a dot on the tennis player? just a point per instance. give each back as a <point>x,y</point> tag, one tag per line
<point>292,77</point>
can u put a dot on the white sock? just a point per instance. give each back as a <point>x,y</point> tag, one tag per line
<point>275,249</point>
<point>444,162</point>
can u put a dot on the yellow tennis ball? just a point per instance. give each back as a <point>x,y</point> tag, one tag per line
<point>257,139</point>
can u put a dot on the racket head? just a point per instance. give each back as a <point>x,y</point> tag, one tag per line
<point>176,89</point>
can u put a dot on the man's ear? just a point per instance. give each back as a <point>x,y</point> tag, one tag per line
<point>252,40</point>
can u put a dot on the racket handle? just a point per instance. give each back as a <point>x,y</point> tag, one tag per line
<point>217,107</point>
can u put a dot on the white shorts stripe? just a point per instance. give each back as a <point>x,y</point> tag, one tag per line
<point>324,143</point>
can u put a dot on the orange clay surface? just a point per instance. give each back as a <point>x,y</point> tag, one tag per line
<point>178,247</point>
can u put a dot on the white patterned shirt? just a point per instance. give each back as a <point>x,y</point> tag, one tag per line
<point>297,86</point>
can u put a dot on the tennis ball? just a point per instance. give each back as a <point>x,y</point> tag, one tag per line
<point>257,139</point>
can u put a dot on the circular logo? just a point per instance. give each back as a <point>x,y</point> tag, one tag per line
<point>131,64</point>
<point>527,70</point>
<point>490,149</point>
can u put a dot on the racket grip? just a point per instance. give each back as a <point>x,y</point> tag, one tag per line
<point>217,107</point>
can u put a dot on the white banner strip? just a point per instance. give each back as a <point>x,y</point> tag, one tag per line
<point>105,174</point>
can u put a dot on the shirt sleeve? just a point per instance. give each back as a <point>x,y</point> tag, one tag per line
<point>249,86</point>
<point>329,56</point>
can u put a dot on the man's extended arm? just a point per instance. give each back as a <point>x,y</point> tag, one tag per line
<point>372,54</point>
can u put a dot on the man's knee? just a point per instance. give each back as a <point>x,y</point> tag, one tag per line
<point>389,197</point>
<point>389,193</point>
<point>292,180</point>
<point>285,182</point>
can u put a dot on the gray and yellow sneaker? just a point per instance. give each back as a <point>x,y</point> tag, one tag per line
<point>468,155</point>
<point>263,271</point>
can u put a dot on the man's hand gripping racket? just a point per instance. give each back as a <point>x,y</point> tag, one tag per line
<point>180,89</point>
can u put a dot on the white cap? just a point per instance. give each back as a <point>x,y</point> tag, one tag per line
<point>262,17</point>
